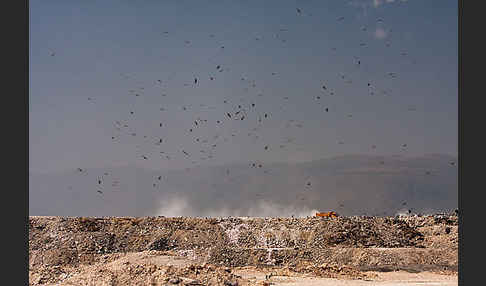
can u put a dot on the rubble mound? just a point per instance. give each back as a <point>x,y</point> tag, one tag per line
<point>321,246</point>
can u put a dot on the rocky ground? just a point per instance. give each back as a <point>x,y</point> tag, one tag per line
<point>240,251</point>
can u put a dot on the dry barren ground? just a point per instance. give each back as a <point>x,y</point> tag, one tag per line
<point>418,250</point>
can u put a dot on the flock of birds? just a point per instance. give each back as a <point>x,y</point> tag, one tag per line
<point>235,112</point>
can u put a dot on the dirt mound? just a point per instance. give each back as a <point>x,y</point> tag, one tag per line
<point>323,247</point>
<point>135,271</point>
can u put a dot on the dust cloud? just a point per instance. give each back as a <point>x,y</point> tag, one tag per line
<point>180,207</point>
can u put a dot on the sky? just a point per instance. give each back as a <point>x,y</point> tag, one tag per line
<point>389,69</point>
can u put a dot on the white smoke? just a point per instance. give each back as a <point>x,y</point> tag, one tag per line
<point>179,207</point>
<point>174,207</point>
<point>402,213</point>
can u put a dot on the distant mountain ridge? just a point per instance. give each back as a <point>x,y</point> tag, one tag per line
<point>349,184</point>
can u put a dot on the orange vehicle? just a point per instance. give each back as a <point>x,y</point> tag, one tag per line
<point>328,214</point>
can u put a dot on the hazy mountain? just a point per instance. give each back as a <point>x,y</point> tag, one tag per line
<point>350,185</point>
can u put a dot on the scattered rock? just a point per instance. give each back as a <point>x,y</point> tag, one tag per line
<point>175,280</point>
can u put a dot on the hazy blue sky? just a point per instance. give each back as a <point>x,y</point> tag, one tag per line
<point>87,56</point>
